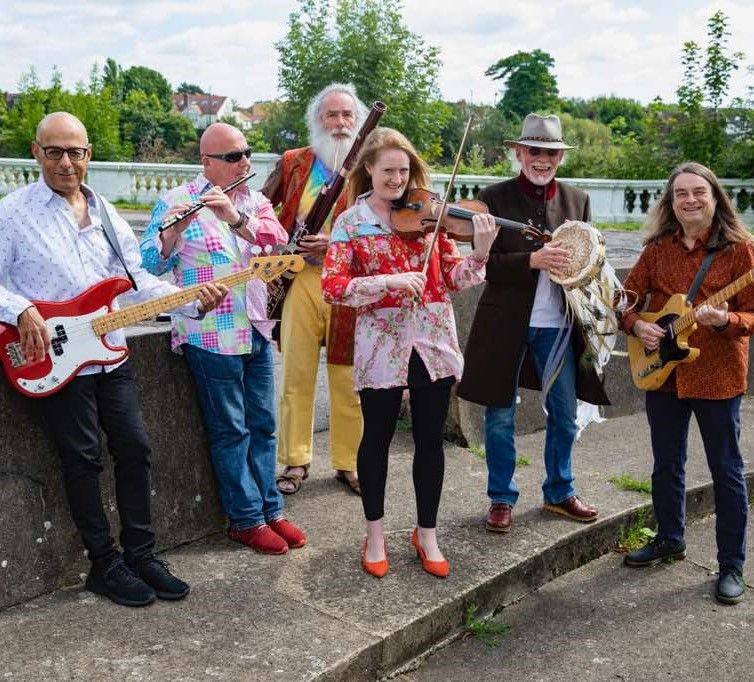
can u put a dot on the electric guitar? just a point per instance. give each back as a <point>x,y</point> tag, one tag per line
<point>650,369</point>
<point>77,327</point>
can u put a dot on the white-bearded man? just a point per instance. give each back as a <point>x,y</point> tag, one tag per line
<point>334,116</point>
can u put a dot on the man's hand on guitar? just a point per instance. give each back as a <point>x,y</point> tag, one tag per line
<point>313,245</point>
<point>210,296</point>
<point>33,334</point>
<point>712,316</point>
<point>649,333</point>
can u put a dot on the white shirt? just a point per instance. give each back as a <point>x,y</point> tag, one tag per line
<point>547,310</point>
<point>46,256</point>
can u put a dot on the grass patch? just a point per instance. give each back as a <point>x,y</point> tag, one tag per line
<point>403,425</point>
<point>621,227</point>
<point>479,451</point>
<point>626,482</point>
<point>131,206</point>
<point>485,630</point>
<point>636,535</point>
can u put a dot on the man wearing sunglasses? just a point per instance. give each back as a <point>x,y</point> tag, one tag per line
<point>229,351</point>
<point>517,324</point>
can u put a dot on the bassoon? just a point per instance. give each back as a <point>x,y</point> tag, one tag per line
<point>320,210</point>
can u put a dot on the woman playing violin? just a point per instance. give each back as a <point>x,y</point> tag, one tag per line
<point>405,332</point>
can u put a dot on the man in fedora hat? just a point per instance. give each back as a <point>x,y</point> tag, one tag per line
<point>517,322</point>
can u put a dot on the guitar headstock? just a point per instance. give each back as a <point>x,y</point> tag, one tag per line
<point>268,268</point>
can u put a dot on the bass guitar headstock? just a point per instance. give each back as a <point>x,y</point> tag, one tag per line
<point>268,268</point>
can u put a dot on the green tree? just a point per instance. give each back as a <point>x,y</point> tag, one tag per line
<point>371,48</point>
<point>112,77</point>
<point>189,89</point>
<point>529,85</point>
<point>700,132</point>
<point>150,82</point>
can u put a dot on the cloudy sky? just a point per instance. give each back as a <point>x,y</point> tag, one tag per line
<point>628,48</point>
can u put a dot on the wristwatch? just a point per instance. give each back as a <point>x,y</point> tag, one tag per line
<point>243,218</point>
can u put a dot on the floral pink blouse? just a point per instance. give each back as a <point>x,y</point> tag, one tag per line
<point>390,324</point>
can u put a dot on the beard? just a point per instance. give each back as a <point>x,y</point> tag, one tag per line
<point>332,149</point>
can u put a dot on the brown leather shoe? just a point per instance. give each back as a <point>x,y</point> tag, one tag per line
<point>499,518</point>
<point>574,509</point>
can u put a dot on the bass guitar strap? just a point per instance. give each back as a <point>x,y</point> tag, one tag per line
<point>699,277</point>
<point>112,239</point>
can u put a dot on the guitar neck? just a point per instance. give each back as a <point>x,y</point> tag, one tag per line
<point>143,311</point>
<point>683,323</point>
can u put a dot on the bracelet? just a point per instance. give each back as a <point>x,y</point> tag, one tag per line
<point>242,220</point>
<point>722,327</point>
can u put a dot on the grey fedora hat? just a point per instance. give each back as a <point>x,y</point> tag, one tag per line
<point>540,131</point>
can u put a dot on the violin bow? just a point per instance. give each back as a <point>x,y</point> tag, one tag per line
<point>447,195</point>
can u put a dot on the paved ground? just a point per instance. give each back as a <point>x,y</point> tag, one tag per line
<point>608,622</point>
<point>314,613</point>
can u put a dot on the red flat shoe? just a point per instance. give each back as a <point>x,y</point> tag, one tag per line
<point>376,568</point>
<point>261,539</point>
<point>441,569</point>
<point>290,532</point>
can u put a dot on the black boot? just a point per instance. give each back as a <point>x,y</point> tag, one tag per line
<point>155,573</point>
<point>119,583</point>
<point>730,586</point>
<point>656,551</point>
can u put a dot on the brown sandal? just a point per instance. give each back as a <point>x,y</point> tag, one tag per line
<point>294,479</point>
<point>352,483</point>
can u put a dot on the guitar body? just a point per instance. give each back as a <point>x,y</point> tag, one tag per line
<point>74,344</point>
<point>649,370</point>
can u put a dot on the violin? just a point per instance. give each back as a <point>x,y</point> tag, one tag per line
<point>416,214</point>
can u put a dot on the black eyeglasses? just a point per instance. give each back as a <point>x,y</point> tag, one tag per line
<point>231,157</point>
<point>56,153</point>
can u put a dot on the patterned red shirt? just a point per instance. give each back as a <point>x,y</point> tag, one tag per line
<point>666,267</point>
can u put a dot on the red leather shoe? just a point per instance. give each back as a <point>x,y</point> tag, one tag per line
<point>574,509</point>
<point>499,518</point>
<point>376,568</point>
<point>290,532</point>
<point>441,569</point>
<point>261,539</point>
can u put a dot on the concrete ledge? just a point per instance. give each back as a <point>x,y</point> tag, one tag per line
<point>314,614</point>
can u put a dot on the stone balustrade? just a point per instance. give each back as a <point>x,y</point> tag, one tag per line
<point>613,201</point>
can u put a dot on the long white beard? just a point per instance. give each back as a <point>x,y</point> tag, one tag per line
<point>331,150</point>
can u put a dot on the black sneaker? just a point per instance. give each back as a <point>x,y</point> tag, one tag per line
<point>119,583</point>
<point>656,551</point>
<point>730,586</point>
<point>155,573</point>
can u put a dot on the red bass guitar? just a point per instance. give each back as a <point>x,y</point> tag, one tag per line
<point>77,327</point>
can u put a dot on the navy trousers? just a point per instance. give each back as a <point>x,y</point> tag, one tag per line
<point>719,425</point>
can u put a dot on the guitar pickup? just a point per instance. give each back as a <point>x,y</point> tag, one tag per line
<point>15,354</point>
<point>60,333</point>
<point>650,368</point>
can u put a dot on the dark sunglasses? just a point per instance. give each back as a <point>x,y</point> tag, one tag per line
<point>231,157</point>
<point>536,151</point>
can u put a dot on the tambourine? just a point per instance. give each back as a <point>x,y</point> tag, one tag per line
<point>586,246</point>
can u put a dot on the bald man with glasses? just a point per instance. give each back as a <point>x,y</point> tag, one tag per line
<point>229,351</point>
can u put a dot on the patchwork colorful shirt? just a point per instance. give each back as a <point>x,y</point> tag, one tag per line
<point>389,324</point>
<point>207,250</point>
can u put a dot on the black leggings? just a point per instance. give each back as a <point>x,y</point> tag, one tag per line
<point>429,407</point>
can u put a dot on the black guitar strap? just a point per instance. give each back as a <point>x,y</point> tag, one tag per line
<point>700,275</point>
<point>109,230</point>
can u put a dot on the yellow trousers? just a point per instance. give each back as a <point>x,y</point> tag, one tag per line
<point>305,324</point>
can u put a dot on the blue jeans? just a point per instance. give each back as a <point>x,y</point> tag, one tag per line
<point>719,424</point>
<point>500,424</point>
<point>237,397</point>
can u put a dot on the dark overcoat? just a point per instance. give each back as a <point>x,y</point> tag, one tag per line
<point>496,348</point>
